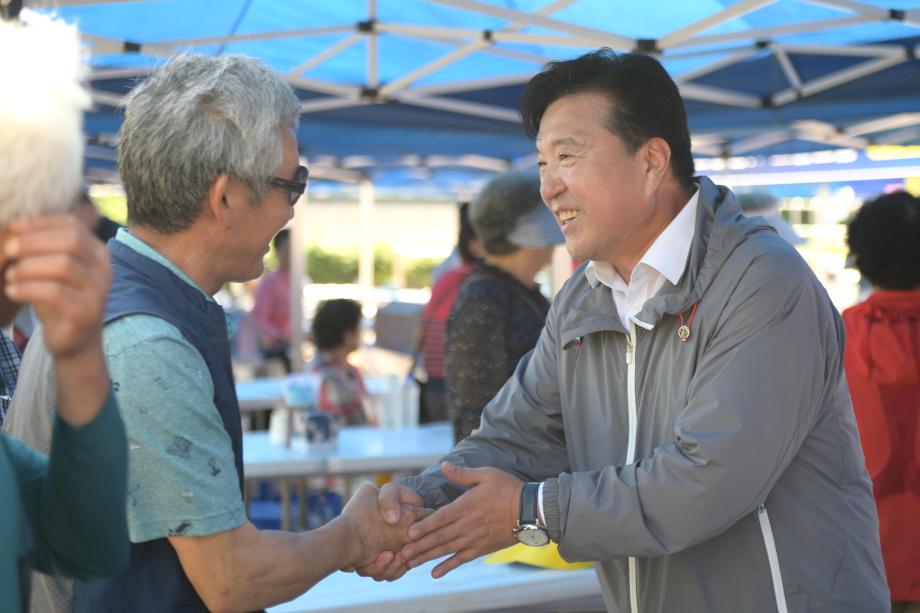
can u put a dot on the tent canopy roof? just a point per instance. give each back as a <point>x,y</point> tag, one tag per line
<point>431,84</point>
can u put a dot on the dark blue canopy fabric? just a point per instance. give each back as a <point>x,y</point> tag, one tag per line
<point>759,77</point>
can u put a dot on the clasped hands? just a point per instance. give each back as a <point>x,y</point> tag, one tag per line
<point>396,533</point>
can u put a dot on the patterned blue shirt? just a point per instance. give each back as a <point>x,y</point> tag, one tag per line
<point>181,474</point>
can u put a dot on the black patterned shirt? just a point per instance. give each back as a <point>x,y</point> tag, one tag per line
<point>494,322</point>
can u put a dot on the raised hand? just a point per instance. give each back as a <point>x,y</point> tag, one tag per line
<point>480,521</point>
<point>54,263</point>
<point>371,535</point>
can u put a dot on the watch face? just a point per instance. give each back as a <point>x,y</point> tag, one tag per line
<point>532,535</point>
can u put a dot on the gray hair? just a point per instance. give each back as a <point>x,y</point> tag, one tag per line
<point>192,119</point>
<point>41,115</point>
<point>496,209</point>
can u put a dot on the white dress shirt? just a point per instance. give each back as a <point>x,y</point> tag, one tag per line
<point>664,261</point>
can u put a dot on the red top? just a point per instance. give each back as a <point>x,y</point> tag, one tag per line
<point>883,370</point>
<point>434,318</point>
<point>271,312</point>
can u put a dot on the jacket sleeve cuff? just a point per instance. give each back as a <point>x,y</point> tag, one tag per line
<point>432,496</point>
<point>551,509</point>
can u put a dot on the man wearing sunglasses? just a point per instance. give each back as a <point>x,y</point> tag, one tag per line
<point>208,157</point>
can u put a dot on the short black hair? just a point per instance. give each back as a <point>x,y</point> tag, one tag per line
<point>333,319</point>
<point>466,234</point>
<point>645,101</point>
<point>281,239</point>
<point>884,241</point>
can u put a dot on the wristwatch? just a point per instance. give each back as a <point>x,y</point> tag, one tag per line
<point>529,530</point>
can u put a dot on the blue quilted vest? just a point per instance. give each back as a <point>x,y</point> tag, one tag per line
<point>155,581</point>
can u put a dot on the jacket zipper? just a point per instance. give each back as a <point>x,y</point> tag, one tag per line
<point>631,446</point>
<point>773,558</point>
<point>763,517</point>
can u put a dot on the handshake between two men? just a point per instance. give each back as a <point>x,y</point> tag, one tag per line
<point>403,534</point>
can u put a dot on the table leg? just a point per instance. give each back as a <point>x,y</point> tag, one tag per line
<point>285,504</point>
<point>301,484</point>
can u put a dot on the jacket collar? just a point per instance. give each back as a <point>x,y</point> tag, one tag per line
<point>720,228</point>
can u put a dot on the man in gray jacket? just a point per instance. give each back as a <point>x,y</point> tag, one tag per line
<point>683,421</point>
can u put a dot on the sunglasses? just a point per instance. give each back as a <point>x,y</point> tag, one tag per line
<point>294,188</point>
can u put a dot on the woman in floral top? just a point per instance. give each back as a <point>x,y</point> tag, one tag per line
<point>336,332</point>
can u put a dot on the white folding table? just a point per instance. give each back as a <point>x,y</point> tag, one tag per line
<point>475,586</point>
<point>359,449</point>
<point>259,394</point>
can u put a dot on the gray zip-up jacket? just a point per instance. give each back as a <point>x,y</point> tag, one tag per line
<point>720,474</point>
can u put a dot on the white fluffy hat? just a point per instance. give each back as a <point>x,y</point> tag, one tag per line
<point>41,112</point>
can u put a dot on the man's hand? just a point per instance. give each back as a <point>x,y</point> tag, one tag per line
<point>371,535</point>
<point>480,521</point>
<point>55,263</point>
<point>393,499</point>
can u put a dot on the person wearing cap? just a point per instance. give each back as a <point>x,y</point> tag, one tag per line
<point>500,311</point>
<point>683,421</point>
<point>765,205</point>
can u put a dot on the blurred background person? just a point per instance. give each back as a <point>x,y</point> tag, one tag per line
<point>500,311</point>
<point>271,312</point>
<point>337,334</point>
<point>766,205</point>
<point>429,361</point>
<point>882,363</point>
<point>64,514</point>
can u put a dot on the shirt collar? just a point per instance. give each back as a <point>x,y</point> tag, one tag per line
<point>604,272</point>
<point>667,255</point>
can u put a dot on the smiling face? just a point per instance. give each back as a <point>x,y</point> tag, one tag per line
<point>256,224</point>
<point>603,196</point>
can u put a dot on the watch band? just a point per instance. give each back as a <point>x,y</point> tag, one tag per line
<point>528,512</point>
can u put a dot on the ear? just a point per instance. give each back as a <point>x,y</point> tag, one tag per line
<point>217,200</point>
<point>657,161</point>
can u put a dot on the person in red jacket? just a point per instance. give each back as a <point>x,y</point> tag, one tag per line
<point>882,363</point>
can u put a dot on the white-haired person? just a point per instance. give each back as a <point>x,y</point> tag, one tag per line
<point>65,513</point>
<point>209,161</point>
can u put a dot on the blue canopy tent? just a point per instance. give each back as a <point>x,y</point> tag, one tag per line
<point>397,90</point>
<point>429,84</point>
